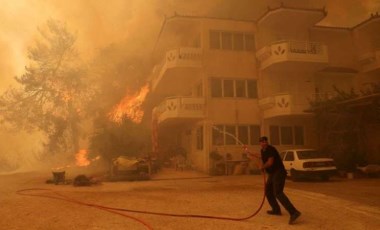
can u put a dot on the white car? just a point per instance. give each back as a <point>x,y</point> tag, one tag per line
<point>307,162</point>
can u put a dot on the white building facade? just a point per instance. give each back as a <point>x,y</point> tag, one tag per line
<point>220,84</point>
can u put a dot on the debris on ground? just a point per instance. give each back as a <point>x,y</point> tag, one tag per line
<point>83,180</point>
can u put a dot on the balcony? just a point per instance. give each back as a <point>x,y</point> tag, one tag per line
<point>180,109</point>
<point>176,70</point>
<point>370,62</point>
<point>288,55</point>
<point>284,104</point>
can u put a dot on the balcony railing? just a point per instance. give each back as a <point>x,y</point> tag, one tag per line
<point>285,104</point>
<point>180,57</point>
<point>301,51</point>
<point>180,107</point>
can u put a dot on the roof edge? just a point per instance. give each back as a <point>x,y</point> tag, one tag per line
<point>282,6</point>
<point>373,16</point>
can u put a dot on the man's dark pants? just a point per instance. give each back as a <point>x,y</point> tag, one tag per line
<point>275,189</point>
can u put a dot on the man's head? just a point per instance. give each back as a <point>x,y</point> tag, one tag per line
<point>263,141</point>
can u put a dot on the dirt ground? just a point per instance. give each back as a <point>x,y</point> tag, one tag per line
<point>228,196</point>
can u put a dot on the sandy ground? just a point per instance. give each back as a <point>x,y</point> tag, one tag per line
<point>229,196</point>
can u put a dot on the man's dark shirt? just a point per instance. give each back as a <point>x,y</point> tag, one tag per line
<point>271,151</point>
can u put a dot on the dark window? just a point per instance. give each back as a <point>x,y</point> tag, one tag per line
<point>200,138</point>
<point>243,134</point>
<point>289,156</point>
<point>232,88</point>
<point>252,88</point>
<point>226,41</point>
<point>298,135</point>
<point>249,42</point>
<point>217,135</point>
<point>286,135</point>
<point>231,41</point>
<point>254,134</point>
<point>230,135</point>
<point>240,88</point>
<point>228,88</point>
<point>238,41</point>
<point>274,134</point>
<point>216,87</point>
<point>214,40</point>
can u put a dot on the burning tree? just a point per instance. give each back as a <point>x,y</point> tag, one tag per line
<point>51,94</point>
<point>119,76</point>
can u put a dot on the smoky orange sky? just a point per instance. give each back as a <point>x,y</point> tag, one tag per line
<point>98,23</point>
<point>135,23</point>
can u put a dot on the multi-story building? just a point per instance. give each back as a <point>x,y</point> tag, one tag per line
<point>221,83</point>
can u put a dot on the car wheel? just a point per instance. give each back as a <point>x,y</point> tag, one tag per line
<point>294,175</point>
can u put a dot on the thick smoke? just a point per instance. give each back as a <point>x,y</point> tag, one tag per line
<point>133,23</point>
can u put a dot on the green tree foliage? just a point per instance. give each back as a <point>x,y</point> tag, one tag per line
<point>51,92</point>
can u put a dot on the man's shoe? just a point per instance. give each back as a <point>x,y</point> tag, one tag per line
<point>294,217</point>
<point>272,212</point>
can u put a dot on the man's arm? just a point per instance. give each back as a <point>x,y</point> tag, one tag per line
<point>251,155</point>
<point>268,163</point>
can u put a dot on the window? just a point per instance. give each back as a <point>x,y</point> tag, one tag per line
<point>230,135</point>
<point>228,88</point>
<point>216,87</point>
<point>298,135</point>
<point>214,40</point>
<point>217,135</point>
<point>289,156</point>
<point>235,134</point>
<point>200,138</point>
<point>233,88</point>
<point>254,134</point>
<point>236,41</point>
<point>199,90</point>
<point>240,88</point>
<point>274,134</point>
<point>226,41</point>
<point>249,42</point>
<point>243,134</point>
<point>286,135</point>
<point>252,88</point>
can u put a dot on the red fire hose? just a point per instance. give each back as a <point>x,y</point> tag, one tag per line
<point>55,195</point>
<point>118,211</point>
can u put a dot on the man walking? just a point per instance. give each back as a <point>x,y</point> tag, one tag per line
<point>274,188</point>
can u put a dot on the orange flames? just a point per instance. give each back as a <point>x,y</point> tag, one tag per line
<point>130,107</point>
<point>81,160</point>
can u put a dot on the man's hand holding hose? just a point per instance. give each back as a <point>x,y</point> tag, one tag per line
<point>255,157</point>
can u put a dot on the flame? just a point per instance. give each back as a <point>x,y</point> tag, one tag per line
<point>130,107</point>
<point>81,158</point>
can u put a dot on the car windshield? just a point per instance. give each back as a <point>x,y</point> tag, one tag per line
<point>310,154</point>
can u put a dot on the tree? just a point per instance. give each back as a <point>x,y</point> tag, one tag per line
<point>51,92</point>
<point>111,140</point>
<point>342,124</point>
<point>117,72</point>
